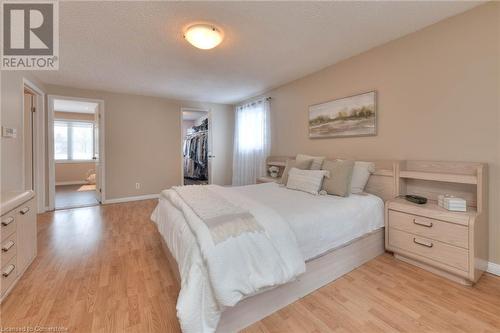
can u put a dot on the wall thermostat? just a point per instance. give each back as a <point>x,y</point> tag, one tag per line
<point>8,132</point>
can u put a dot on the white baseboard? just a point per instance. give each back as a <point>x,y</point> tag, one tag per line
<point>72,182</point>
<point>493,268</point>
<point>127,199</point>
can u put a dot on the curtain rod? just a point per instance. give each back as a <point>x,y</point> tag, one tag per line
<point>253,101</point>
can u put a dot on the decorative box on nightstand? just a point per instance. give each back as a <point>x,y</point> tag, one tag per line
<point>451,244</point>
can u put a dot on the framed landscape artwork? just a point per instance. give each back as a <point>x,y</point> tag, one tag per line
<point>344,117</point>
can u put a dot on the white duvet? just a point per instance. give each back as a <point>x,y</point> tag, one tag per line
<point>321,223</point>
<point>214,276</point>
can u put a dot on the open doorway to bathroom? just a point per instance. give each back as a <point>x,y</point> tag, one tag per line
<point>75,159</point>
<point>196,147</point>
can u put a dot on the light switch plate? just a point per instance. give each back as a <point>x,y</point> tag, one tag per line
<point>8,132</point>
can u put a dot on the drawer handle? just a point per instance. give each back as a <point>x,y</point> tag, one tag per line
<point>24,211</point>
<point>7,221</point>
<point>423,224</point>
<point>422,243</point>
<point>8,271</point>
<point>8,246</point>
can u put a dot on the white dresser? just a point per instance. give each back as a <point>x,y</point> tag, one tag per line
<point>18,237</point>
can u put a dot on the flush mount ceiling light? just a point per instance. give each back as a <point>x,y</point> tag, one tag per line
<point>203,36</point>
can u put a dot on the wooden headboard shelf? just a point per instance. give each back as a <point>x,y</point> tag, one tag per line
<point>431,178</point>
<point>381,183</point>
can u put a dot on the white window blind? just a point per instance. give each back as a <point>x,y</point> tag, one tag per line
<point>73,140</point>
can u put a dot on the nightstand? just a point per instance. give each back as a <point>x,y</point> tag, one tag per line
<point>267,179</point>
<point>276,161</point>
<point>447,243</point>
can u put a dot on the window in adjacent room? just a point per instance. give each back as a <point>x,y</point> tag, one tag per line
<point>73,140</point>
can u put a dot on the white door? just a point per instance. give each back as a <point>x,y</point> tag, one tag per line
<point>28,140</point>
<point>210,154</point>
<point>96,157</point>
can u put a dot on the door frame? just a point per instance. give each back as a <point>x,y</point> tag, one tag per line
<point>50,136</point>
<point>38,136</point>
<point>208,111</point>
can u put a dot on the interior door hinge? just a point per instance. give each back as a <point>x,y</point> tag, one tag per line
<point>33,109</point>
<point>100,190</point>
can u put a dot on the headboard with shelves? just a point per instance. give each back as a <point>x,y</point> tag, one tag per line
<point>381,183</point>
<point>467,180</point>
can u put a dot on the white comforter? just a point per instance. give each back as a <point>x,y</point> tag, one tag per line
<point>216,276</point>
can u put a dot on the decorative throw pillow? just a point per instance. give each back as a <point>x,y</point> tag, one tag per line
<point>317,161</point>
<point>303,165</point>
<point>360,174</point>
<point>306,180</point>
<point>339,182</point>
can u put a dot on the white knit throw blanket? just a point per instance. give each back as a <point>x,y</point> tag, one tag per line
<point>222,218</point>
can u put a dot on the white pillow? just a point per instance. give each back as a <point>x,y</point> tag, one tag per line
<point>360,174</point>
<point>309,181</point>
<point>316,163</point>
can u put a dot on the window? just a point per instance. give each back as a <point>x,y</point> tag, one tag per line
<point>252,142</point>
<point>73,140</point>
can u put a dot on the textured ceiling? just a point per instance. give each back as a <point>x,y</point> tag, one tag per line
<point>137,47</point>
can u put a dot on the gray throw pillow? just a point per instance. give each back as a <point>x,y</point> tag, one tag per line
<point>316,162</point>
<point>339,182</point>
<point>303,165</point>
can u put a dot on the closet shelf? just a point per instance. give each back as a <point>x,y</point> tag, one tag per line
<point>441,177</point>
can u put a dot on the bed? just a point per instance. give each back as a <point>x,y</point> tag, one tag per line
<point>334,236</point>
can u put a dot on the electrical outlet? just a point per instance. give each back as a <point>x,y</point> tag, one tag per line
<point>137,186</point>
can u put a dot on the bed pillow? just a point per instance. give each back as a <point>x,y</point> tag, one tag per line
<point>317,161</point>
<point>306,180</point>
<point>339,182</point>
<point>303,165</point>
<point>360,174</point>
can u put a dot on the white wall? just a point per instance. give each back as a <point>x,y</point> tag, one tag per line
<point>144,141</point>
<point>11,115</point>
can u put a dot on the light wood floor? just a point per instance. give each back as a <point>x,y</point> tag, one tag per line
<point>68,196</point>
<point>101,269</point>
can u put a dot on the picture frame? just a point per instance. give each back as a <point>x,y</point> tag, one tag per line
<point>351,116</point>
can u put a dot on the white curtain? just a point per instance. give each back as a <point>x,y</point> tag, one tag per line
<point>252,142</point>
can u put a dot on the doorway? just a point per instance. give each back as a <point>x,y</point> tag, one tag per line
<point>29,109</point>
<point>33,133</point>
<point>196,146</point>
<point>75,152</point>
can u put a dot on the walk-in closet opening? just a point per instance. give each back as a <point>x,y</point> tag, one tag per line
<point>196,146</point>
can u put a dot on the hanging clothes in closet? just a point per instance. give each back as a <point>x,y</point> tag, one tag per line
<point>196,153</point>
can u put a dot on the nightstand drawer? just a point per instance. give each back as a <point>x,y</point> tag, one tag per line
<point>450,233</point>
<point>429,248</point>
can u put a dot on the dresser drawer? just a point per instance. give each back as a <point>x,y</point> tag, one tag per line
<point>445,232</point>
<point>8,225</point>
<point>9,274</point>
<point>8,249</point>
<point>444,253</point>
